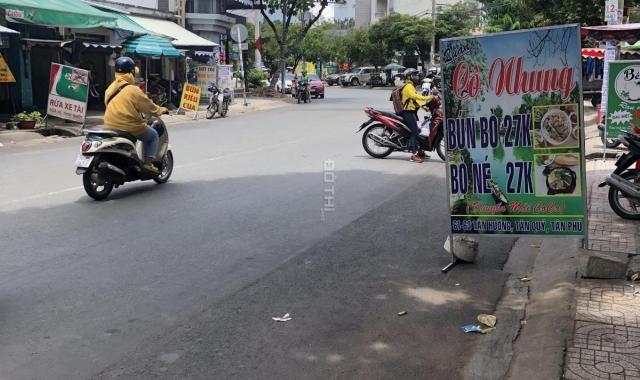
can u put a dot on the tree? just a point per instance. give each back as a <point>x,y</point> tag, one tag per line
<point>460,19</point>
<point>285,39</point>
<point>404,34</point>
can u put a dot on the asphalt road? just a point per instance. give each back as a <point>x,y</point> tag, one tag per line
<point>181,280</point>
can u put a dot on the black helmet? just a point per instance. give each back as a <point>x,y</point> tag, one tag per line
<point>414,75</point>
<point>125,65</point>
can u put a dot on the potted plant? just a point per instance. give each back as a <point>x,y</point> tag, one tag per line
<point>28,120</point>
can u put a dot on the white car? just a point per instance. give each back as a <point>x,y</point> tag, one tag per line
<point>288,77</point>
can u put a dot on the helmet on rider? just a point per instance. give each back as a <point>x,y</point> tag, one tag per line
<point>414,75</point>
<point>125,65</point>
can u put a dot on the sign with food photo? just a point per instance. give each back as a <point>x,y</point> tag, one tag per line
<point>623,102</point>
<point>514,132</point>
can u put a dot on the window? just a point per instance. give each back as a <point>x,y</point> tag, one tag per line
<point>205,6</point>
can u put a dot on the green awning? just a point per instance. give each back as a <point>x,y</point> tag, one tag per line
<point>66,13</point>
<point>151,45</point>
<point>125,23</point>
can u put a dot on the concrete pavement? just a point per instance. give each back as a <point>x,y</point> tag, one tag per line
<point>184,278</point>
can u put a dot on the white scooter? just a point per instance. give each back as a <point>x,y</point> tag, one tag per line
<point>110,158</point>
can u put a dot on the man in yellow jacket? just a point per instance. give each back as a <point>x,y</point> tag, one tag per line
<point>125,104</point>
<point>410,106</point>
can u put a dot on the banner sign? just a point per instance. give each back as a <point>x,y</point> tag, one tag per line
<point>611,11</point>
<point>190,100</point>
<point>623,102</point>
<point>514,132</point>
<point>205,74</point>
<point>68,92</point>
<point>6,76</point>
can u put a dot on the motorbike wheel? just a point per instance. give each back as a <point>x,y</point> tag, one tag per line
<point>611,143</point>
<point>371,147</point>
<point>96,186</point>
<point>167,168</point>
<point>224,110</point>
<point>441,148</point>
<point>211,110</point>
<point>626,207</point>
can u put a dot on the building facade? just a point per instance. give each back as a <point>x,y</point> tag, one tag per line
<point>368,11</point>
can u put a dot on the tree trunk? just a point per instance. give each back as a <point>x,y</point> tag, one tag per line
<point>282,66</point>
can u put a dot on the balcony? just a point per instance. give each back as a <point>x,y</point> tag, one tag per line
<point>209,22</point>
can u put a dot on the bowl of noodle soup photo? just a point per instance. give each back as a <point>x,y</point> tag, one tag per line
<point>556,127</point>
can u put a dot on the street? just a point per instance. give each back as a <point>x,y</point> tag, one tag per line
<point>182,280</point>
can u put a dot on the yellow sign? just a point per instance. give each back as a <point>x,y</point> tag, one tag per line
<point>190,100</point>
<point>6,76</point>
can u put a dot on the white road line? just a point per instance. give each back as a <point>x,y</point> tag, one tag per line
<point>216,158</point>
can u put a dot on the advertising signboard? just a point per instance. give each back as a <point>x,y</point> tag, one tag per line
<point>205,75</point>
<point>6,76</point>
<point>190,100</point>
<point>68,92</point>
<point>515,133</point>
<point>623,102</point>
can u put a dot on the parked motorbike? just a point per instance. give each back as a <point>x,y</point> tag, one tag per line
<point>386,132</point>
<point>303,93</point>
<point>218,101</point>
<point>611,143</point>
<point>624,182</point>
<point>110,158</point>
<point>376,80</point>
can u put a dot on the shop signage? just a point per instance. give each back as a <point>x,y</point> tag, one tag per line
<point>6,76</point>
<point>190,100</point>
<point>244,46</point>
<point>514,132</point>
<point>68,92</point>
<point>623,102</point>
<point>611,11</point>
<point>205,75</point>
<point>14,13</point>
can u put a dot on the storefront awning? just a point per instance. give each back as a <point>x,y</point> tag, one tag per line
<point>67,13</point>
<point>624,32</point>
<point>151,46</point>
<point>5,30</point>
<point>593,53</point>
<point>181,36</point>
<point>125,23</point>
<point>31,42</point>
<point>93,46</point>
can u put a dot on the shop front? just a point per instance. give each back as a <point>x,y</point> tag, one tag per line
<point>9,85</point>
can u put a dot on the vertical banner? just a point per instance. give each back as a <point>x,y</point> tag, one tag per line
<point>68,92</point>
<point>514,132</point>
<point>623,102</point>
<point>190,100</point>
<point>206,75</point>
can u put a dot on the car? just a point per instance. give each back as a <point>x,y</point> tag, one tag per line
<point>358,76</point>
<point>332,79</point>
<point>288,78</point>
<point>316,86</point>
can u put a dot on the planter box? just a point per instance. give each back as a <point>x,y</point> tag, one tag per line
<point>27,124</point>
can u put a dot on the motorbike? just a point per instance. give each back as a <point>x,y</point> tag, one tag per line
<point>386,132</point>
<point>376,80</point>
<point>624,182</point>
<point>611,143</point>
<point>218,101</point>
<point>109,158</point>
<point>302,92</point>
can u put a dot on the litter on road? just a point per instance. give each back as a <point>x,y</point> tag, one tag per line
<point>284,318</point>
<point>526,279</point>
<point>400,314</point>
<point>487,319</point>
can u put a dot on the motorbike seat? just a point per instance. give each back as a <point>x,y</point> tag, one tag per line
<point>112,133</point>
<point>391,115</point>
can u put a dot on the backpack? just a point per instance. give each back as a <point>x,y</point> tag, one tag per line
<point>396,98</point>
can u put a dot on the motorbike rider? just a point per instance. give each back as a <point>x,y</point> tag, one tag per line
<point>410,105</point>
<point>125,103</point>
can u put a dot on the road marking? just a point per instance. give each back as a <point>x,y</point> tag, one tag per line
<point>216,158</point>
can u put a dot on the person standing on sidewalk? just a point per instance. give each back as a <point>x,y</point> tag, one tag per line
<point>410,106</point>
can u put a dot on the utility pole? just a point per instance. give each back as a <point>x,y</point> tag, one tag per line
<point>182,17</point>
<point>433,39</point>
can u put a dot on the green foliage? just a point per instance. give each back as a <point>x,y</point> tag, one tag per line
<point>255,78</point>
<point>459,19</point>
<point>406,34</point>
<point>25,116</point>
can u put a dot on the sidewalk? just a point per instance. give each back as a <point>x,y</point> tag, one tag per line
<point>58,129</point>
<point>557,324</point>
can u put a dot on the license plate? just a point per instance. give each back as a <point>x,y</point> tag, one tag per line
<point>83,161</point>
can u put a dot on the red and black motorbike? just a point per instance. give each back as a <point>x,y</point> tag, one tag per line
<point>387,133</point>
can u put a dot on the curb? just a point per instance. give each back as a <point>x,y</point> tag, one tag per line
<point>531,315</point>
